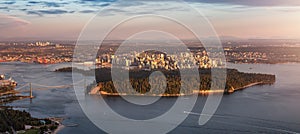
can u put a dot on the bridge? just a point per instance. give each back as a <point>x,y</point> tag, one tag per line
<point>23,88</point>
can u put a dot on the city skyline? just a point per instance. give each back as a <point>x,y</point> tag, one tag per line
<point>64,20</point>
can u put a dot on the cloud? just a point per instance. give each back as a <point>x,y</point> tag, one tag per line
<point>228,2</point>
<point>33,2</point>
<point>88,11</point>
<point>125,3</point>
<point>259,3</point>
<point>95,3</point>
<point>50,11</point>
<point>98,1</point>
<point>104,5</point>
<point>46,4</point>
<point>51,4</point>
<point>42,8</point>
<point>8,22</point>
<point>34,13</point>
<point>287,9</point>
<point>113,11</point>
<point>3,7</point>
<point>8,2</point>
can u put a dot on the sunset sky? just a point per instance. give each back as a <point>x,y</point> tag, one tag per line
<point>64,19</point>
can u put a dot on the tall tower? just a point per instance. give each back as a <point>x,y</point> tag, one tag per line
<point>31,96</point>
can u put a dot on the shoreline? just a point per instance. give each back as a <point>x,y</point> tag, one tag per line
<point>59,128</point>
<point>36,125</point>
<point>251,85</point>
<point>9,92</point>
<point>13,98</point>
<point>96,91</point>
<point>202,92</point>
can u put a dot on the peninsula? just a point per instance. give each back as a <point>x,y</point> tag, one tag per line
<point>235,81</point>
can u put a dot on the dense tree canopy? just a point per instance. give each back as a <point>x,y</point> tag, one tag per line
<point>139,81</point>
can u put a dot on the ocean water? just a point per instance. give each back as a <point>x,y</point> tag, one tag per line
<point>258,109</point>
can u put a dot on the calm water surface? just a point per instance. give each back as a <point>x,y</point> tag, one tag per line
<point>258,109</point>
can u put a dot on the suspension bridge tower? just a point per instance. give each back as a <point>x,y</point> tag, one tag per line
<point>31,96</point>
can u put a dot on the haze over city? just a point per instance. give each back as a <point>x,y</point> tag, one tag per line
<point>64,20</point>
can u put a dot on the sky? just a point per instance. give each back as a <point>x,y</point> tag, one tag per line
<point>65,19</point>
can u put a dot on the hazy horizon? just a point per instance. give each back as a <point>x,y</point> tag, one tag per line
<point>65,19</point>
